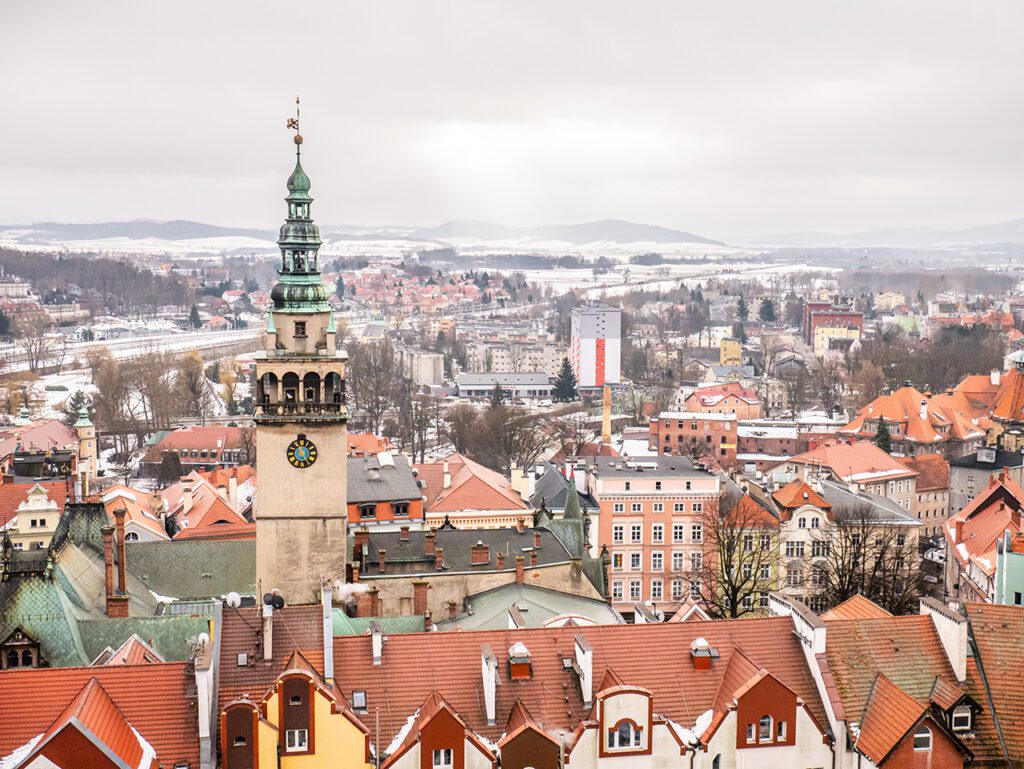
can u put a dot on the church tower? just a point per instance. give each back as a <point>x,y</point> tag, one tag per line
<point>301,434</point>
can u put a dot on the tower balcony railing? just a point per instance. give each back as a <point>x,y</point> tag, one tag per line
<point>302,409</point>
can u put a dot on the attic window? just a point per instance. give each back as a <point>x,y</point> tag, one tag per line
<point>240,742</point>
<point>295,700</point>
<point>961,720</point>
<point>359,699</point>
<point>923,738</point>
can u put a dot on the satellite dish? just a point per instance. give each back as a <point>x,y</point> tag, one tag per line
<point>277,602</point>
<point>268,599</point>
<point>234,600</point>
<point>203,639</point>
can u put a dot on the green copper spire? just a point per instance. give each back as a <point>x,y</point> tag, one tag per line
<point>299,289</point>
<point>83,417</point>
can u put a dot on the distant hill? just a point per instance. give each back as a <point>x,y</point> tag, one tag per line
<point>611,230</point>
<point>139,230</point>
<point>1001,232</point>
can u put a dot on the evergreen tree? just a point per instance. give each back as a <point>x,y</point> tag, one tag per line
<point>194,318</point>
<point>767,311</point>
<point>565,384</point>
<point>74,404</point>
<point>742,309</point>
<point>882,438</point>
<point>497,397</point>
<point>339,287</point>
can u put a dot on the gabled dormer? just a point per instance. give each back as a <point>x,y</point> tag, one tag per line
<point>625,716</point>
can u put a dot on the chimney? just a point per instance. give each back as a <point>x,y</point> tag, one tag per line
<point>447,479</point>
<point>364,604</point>
<point>520,574</point>
<point>583,481</point>
<point>951,629</point>
<point>375,601</point>
<point>701,654</point>
<point>268,632</point>
<point>924,409</point>
<point>186,497</point>
<point>122,557</point>
<point>533,558</point>
<point>606,416</point>
<point>222,492</point>
<point>108,561</point>
<point>362,539</point>
<point>995,376</point>
<point>427,620</point>
<point>377,642</point>
<point>355,572</point>
<point>585,669</point>
<point>233,490</point>
<point>520,525</point>
<point>489,672</point>
<point>373,472</point>
<point>439,558</point>
<point>500,558</point>
<point>453,610</point>
<point>328,629</point>
<point>958,529</point>
<point>428,544</point>
<point>536,539</point>
<point>404,535</point>
<point>419,597</point>
<point>382,560</point>
<point>479,553</point>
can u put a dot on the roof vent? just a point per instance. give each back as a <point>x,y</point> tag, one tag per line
<point>702,654</point>
<point>519,668</point>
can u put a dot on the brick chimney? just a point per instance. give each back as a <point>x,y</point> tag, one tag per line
<point>362,538</point>
<point>536,538</point>
<point>382,561</point>
<point>404,534</point>
<point>453,610</point>
<point>958,529</point>
<point>439,558</point>
<point>117,603</point>
<point>428,544</point>
<point>419,597</point>
<point>533,558</point>
<point>108,561</point>
<point>375,607</point>
<point>479,553</point>
<point>520,525</point>
<point>500,557</point>
<point>355,572</point>
<point>520,573</point>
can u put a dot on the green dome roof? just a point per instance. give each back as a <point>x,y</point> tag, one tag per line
<point>298,184</point>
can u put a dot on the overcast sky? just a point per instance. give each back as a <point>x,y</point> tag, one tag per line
<point>727,119</point>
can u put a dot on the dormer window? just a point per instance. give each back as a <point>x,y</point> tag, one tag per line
<point>625,734</point>
<point>359,699</point>
<point>764,729</point>
<point>961,720</point>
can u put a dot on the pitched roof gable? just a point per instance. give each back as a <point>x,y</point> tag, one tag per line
<point>889,715</point>
<point>856,607</point>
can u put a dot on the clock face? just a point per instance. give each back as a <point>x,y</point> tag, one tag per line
<point>301,452</point>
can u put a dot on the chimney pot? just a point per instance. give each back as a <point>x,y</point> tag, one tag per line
<point>479,553</point>
<point>500,557</point>
<point>536,538</point>
<point>533,558</point>
<point>439,557</point>
<point>520,570</point>
<point>520,525</point>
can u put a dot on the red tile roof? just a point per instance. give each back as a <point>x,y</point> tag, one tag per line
<point>862,461</point>
<point>40,434</point>
<point>415,664</point>
<point>972,533</point>
<point>473,487</point>
<point>366,444</point>
<point>1008,403</point>
<point>748,513</point>
<point>932,471</point>
<point>158,700</point>
<point>997,631</point>
<point>857,607</point>
<point>889,715</point>
<point>134,651</point>
<point>13,494</point>
<point>905,649</point>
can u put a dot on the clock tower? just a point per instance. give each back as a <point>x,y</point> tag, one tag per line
<point>300,416</point>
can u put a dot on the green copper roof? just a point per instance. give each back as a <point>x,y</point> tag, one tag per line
<point>298,184</point>
<point>83,418</point>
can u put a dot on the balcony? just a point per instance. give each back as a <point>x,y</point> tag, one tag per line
<point>284,412</point>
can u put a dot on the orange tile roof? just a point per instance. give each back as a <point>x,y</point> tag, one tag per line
<point>134,651</point>
<point>415,664</point>
<point>997,632</point>
<point>473,487</point>
<point>973,532</point>
<point>40,434</point>
<point>13,494</point>
<point>221,476</point>
<point>856,607</point>
<point>211,437</point>
<point>366,444</point>
<point>889,715</point>
<point>798,493</point>
<point>139,506</point>
<point>932,471</point>
<point>748,513</point>
<point>905,649</point>
<point>862,461</point>
<point>209,513</point>
<point>1008,403</point>
<point>158,700</point>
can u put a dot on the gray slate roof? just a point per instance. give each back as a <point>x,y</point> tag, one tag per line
<point>488,610</point>
<point>620,466</point>
<point>503,377</point>
<point>393,483</point>
<point>195,568</point>
<point>553,489</point>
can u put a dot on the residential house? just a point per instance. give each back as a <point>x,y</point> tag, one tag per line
<point>970,474</point>
<point>29,512</point>
<point>730,398</point>
<point>199,448</point>
<point>932,489</point>
<point>468,494</point>
<point>708,437</point>
<point>383,490</point>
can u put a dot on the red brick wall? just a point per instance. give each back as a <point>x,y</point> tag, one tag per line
<point>529,748</point>
<point>767,697</point>
<point>943,755</point>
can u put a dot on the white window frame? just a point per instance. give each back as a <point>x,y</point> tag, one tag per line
<point>636,561</point>
<point>961,712</point>
<point>636,533</point>
<point>618,534</point>
<point>443,758</point>
<point>657,561</point>
<point>296,740</point>
<point>635,589</point>
<point>657,533</point>
<point>617,590</point>
<point>657,590</point>
<point>925,735</point>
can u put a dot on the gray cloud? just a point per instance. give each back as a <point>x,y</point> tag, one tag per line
<point>726,119</point>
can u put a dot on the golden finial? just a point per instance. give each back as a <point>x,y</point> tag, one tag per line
<point>293,123</point>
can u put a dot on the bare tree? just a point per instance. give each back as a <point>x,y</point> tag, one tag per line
<point>193,389</point>
<point>573,432</point>
<point>505,435</point>
<point>827,384</point>
<point>459,426</point>
<point>373,377</point>
<point>740,553</point>
<point>795,389</point>
<point>34,342</point>
<point>868,556</point>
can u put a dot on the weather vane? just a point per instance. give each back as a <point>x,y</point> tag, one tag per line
<point>293,123</point>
